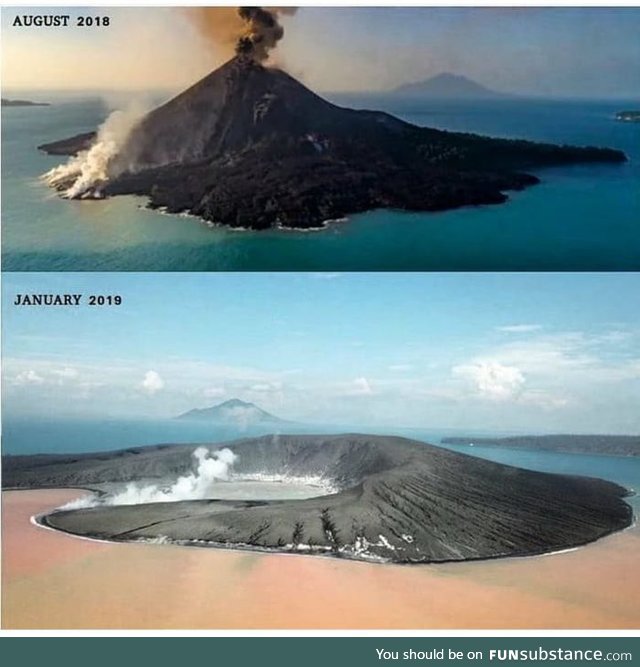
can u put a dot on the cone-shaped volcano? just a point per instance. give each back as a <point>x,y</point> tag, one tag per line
<point>240,106</point>
<point>250,146</point>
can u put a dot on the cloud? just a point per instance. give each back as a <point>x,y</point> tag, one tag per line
<point>615,336</point>
<point>492,379</point>
<point>551,380</point>
<point>520,328</point>
<point>549,355</point>
<point>45,376</point>
<point>213,392</point>
<point>400,368</point>
<point>123,385</point>
<point>577,358</point>
<point>152,382</point>
<point>65,373</point>
<point>566,370</point>
<point>359,387</point>
<point>266,387</point>
<point>543,399</point>
<point>29,377</point>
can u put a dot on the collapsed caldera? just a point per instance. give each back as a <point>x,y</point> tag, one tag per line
<point>379,498</point>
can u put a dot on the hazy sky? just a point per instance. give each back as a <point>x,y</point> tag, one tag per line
<point>532,352</point>
<point>544,51</point>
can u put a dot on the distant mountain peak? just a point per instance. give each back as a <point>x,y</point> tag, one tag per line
<point>450,76</point>
<point>447,84</point>
<point>232,411</point>
<point>236,403</point>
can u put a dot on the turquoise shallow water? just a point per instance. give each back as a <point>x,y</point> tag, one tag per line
<point>578,218</point>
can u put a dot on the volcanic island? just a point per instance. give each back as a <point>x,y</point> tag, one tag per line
<point>249,146</point>
<point>386,499</point>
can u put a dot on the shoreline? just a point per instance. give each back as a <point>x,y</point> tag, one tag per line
<point>40,522</point>
<point>377,521</point>
<point>50,581</point>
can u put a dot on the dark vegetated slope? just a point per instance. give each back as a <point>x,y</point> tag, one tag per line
<point>249,146</point>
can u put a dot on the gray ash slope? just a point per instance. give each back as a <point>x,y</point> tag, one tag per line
<point>399,501</point>
<point>250,146</point>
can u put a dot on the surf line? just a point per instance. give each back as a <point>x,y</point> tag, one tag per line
<point>37,520</point>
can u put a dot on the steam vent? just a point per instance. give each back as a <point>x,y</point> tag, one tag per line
<point>249,146</point>
<point>398,500</point>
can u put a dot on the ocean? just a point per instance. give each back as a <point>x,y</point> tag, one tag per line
<point>583,217</point>
<point>29,436</point>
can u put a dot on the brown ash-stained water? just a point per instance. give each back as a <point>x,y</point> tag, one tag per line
<point>53,580</point>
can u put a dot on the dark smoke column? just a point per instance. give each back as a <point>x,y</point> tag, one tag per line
<point>263,31</point>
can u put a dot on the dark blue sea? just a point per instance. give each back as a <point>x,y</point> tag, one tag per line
<point>579,218</point>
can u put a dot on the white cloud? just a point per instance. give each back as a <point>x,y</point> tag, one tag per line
<point>554,380</point>
<point>29,377</point>
<point>213,392</point>
<point>572,358</point>
<point>122,383</point>
<point>152,382</point>
<point>400,368</point>
<point>266,387</point>
<point>543,399</point>
<point>65,373</point>
<point>492,379</point>
<point>615,336</point>
<point>520,328</point>
<point>359,387</point>
<point>548,355</point>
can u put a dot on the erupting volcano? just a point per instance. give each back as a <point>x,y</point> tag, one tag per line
<point>250,146</point>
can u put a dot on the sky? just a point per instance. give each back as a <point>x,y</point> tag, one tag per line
<point>557,52</point>
<point>522,352</point>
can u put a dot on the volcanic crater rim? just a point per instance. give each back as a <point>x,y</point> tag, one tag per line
<point>398,501</point>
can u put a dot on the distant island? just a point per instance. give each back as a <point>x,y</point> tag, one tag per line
<point>23,103</point>
<point>72,146</point>
<point>233,411</point>
<point>612,445</point>
<point>628,116</point>
<point>447,85</point>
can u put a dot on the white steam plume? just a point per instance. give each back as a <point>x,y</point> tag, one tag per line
<point>197,485</point>
<point>211,466</point>
<point>85,175</point>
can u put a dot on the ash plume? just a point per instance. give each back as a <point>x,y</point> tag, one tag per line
<point>250,31</point>
<point>85,175</point>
